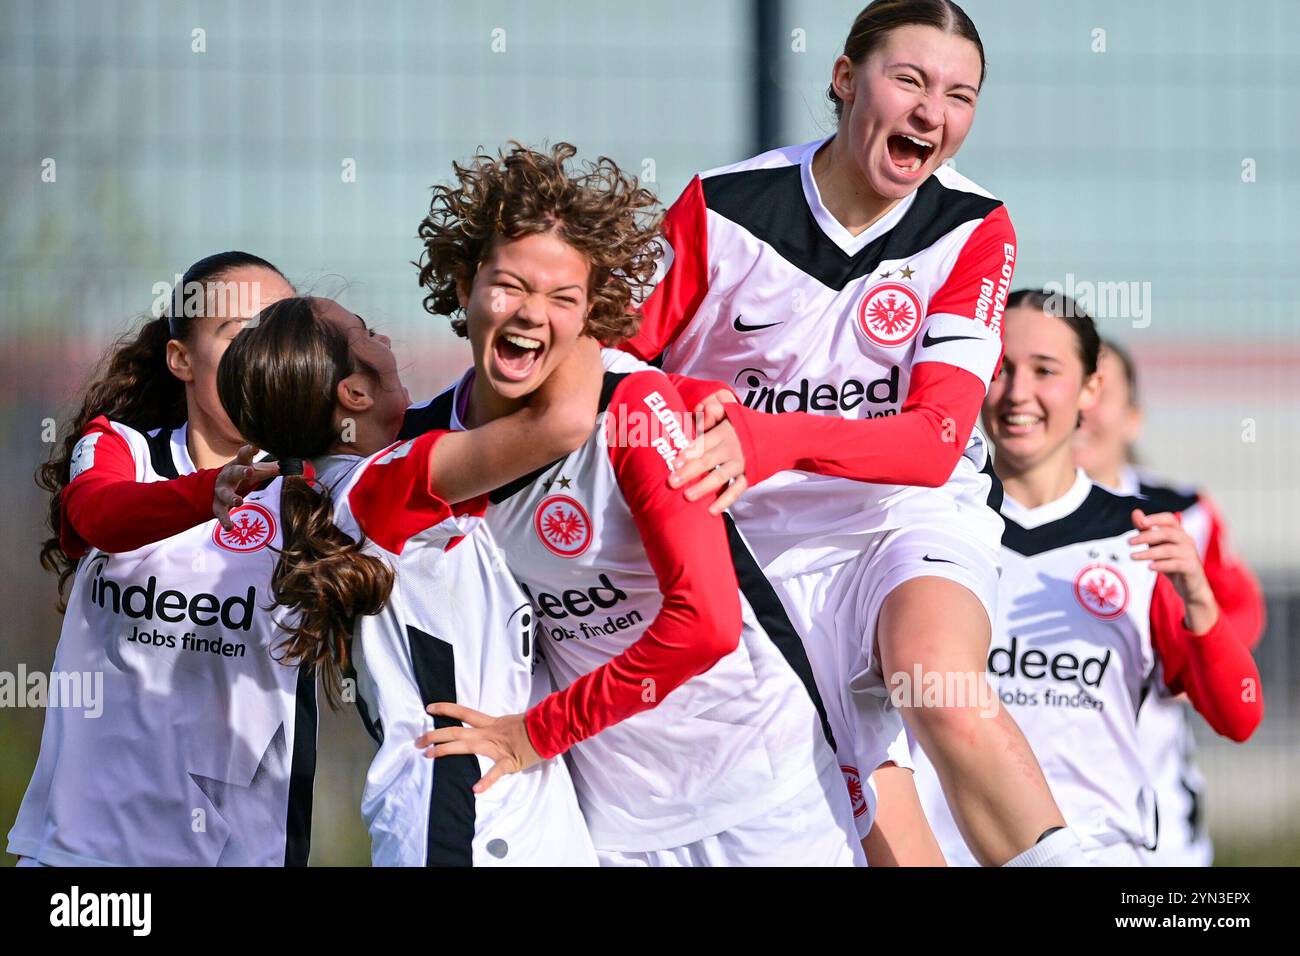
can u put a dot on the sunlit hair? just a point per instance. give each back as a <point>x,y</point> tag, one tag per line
<point>597,209</point>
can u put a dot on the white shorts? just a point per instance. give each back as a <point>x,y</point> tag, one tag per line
<point>835,610</point>
<point>813,828</point>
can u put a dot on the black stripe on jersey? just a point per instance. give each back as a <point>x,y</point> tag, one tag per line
<point>770,204</point>
<point>451,804</point>
<point>1103,514</point>
<point>374,726</point>
<point>425,418</point>
<point>771,616</point>
<point>995,485</point>
<point>302,770</point>
<point>160,453</point>
<point>1163,498</point>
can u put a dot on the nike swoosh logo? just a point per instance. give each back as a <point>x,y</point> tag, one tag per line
<point>927,340</point>
<point>742,327</point>
<point>926,557</point>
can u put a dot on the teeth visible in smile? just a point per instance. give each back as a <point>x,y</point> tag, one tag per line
<point>916,164</point>
<point>1021,419</point>
<point>522,342</point>
<point>918,142</point>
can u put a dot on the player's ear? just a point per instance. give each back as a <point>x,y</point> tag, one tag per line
<point>178,360</point>
<point>842,75</point>
<point>356,393</point>
<point>1091,392</point>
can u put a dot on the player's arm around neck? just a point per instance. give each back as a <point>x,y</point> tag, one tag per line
<point>558,418</point>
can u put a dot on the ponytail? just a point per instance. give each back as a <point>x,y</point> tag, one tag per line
<point>326,577</point>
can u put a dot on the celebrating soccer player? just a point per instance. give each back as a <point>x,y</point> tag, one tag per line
<point>1091,616</point>
<point>390,581</point>
<point>854,285</point>
<point>692,737</point>
<point>205,748</point>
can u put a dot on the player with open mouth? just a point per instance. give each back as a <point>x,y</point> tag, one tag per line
<point>692,737</point>
<point>870,277</point>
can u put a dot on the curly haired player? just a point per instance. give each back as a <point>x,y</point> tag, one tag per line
<point>686,706</point>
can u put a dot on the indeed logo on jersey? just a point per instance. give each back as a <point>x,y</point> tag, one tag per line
<point>1034,664</point>
<point>582,603</point>
<point>805,396</point>
<point>145,601</point>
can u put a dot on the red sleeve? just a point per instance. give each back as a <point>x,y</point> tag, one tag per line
<point>918,446</point>
<point>963,319</point>
<point>699,621</point>
<point>1214,669</point>
<point>104,507</point>
<point>1235,588</point>
<point>672,304</point>
<point>695,390</point>
<point>394,500</point>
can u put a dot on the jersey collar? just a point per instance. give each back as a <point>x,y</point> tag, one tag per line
<point>181,450</point>
<point>848,243</point>
<point>1065,505</point>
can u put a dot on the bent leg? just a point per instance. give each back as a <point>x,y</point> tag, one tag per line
<point>990,777</point>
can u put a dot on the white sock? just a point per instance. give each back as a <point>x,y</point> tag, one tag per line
<point>1062,848</point>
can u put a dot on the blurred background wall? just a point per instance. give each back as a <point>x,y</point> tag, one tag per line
<point>1146,150</point>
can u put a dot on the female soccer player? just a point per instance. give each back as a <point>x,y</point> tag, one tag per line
<point>854,286</point>
<point>1104,448</point>
<point>226,706</point>
<point>691,737</point>
<point>375,528</point>
<point>201,749</point>
<point>1092,618</point>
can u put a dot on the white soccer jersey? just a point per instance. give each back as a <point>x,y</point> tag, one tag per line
<point>202,751</point>
<point>1071,658</point>
<point>766,291</point>
<point>592,538</point>
<point>457,629</point>
<point>1085,636</point>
